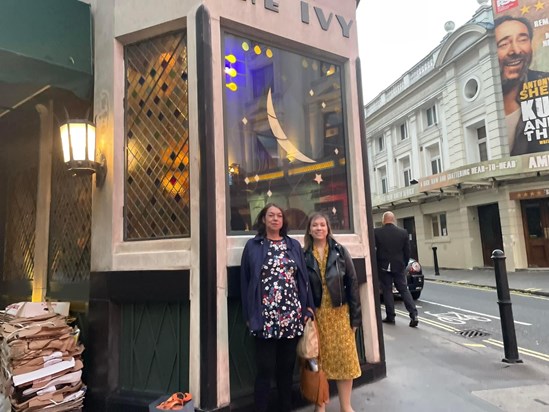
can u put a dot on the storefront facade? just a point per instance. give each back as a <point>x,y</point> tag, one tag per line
<point>205,111</point>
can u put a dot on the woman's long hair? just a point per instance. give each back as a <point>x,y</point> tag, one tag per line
<point>308,239</point>
<point>260,224</point>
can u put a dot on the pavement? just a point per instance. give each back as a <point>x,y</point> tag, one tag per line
<point>438,371</point>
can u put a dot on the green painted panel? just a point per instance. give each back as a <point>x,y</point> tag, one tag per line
<point>154,348</point>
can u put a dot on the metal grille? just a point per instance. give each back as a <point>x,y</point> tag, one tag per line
<point>157,139</point>
<point>20,226</point>
<point>154,353</point>
<point>473,333</point>
<point>70,223</point>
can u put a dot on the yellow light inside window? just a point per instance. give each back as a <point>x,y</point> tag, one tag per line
<point>257,50</point>
<point>232,86</point>
<point>331,70</point>
<point>230,58</point>
<point>269,53</point>
<point>245,46</point>
<point>230,71</point>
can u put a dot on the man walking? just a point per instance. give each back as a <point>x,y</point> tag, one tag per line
<point>393,253</point>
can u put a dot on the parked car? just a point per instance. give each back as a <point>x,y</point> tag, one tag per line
<point>415,279</point>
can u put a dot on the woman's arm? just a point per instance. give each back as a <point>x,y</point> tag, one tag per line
<point>351,286</point>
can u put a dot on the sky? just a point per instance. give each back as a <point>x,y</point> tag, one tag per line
<point>393,35</point>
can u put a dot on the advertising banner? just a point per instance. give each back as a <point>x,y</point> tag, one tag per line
<point>521,32</point>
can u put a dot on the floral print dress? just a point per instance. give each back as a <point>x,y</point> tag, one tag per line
<point>338,355</point>
<point>281,309</point>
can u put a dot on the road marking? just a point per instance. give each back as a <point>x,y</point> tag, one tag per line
<point>475,345</point>
<point>470,311</point>
<point>522,351</point>
<point>456,318</point>
<point>486,288</point>
<point>429,322</point>
<point>532,289</point>
<point>463,282</point>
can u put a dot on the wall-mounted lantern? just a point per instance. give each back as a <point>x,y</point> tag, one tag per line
<point>78,140</point>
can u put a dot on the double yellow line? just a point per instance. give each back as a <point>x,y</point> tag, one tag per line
<point>522,351</point>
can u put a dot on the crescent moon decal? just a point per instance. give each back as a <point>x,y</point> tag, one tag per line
<point>281,138</point>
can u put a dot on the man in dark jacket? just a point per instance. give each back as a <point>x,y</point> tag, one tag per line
<point>393,253</point>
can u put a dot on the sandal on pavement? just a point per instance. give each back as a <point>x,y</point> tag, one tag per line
<point>175,402</point>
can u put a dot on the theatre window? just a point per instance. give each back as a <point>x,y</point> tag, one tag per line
<point>157,202</point>
<point>285,135</point>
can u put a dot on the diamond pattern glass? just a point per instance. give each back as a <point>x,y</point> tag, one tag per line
<point>20,226</point>
<point>70,223</point>
<point>157,203</point>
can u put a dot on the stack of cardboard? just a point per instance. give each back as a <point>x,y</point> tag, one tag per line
<point>41,363</point>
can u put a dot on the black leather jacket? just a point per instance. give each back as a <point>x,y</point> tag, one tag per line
<point>340,278</point>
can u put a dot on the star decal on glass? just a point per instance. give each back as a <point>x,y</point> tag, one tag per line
<point>247,181</point>
<point>323,105</point>
<point>318,178</point>
<point>245,121</point>
<point>312,92</point>
<point>334,210</point>
<point>336,151</point>
<point>256,178</point>
<point>269,193</point>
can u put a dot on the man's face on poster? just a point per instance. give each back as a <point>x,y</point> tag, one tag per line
<point>514,50</point>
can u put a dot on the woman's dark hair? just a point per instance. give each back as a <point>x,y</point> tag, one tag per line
<point>308,239</point>
<point>260,224</point>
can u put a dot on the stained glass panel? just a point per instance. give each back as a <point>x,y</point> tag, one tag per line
<point>157,139</point>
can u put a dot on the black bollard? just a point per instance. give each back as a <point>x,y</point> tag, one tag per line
<point>505,309</point>
<point>437,273</point>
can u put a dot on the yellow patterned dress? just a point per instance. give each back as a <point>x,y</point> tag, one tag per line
<point>338,355</point>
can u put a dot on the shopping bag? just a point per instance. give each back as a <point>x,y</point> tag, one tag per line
<point>314,385</point>
<point>307,347</point>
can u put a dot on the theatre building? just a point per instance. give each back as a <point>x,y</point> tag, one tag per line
<point>440,158</point>
<point>197,114</point>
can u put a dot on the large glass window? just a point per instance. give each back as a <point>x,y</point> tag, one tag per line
<point>157,200</point>
<point>285,135</point>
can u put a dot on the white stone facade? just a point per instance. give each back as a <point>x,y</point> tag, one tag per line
<point>454,162</point>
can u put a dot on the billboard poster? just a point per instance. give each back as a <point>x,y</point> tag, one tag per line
<point>521,32</point>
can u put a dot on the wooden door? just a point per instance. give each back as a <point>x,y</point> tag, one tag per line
<point>410,225</point>
<point>535,217</point>
<point>490,231</point>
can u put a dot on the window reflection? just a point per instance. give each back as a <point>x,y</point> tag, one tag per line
<point>285,135</point>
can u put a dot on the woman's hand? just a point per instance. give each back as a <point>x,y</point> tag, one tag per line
<point>309,314</point>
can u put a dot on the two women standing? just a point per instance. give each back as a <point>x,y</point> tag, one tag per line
<point>278,282</point>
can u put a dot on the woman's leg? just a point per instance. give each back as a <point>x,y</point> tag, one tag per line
<point>344,389</point>
<point>285,363</point>
<point>265,360</point>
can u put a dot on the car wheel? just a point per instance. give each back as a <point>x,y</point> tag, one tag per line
<point>415,295</point>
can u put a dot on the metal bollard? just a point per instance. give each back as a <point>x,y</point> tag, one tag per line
<point>505,309</point>
<point>437,273</point>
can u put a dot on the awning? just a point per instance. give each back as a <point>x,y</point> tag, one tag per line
<point>45,43</point>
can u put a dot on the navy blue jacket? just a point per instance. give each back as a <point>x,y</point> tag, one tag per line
<point>253,257</point>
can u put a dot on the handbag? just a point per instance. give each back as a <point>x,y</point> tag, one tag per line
<point>313,384</point>
<point>307,347</point>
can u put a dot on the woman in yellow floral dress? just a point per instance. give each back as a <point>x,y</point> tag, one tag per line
<point>334,286</point>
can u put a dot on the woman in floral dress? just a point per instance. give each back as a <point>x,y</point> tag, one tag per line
<point>334,285</point>
<point>276,301</point>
